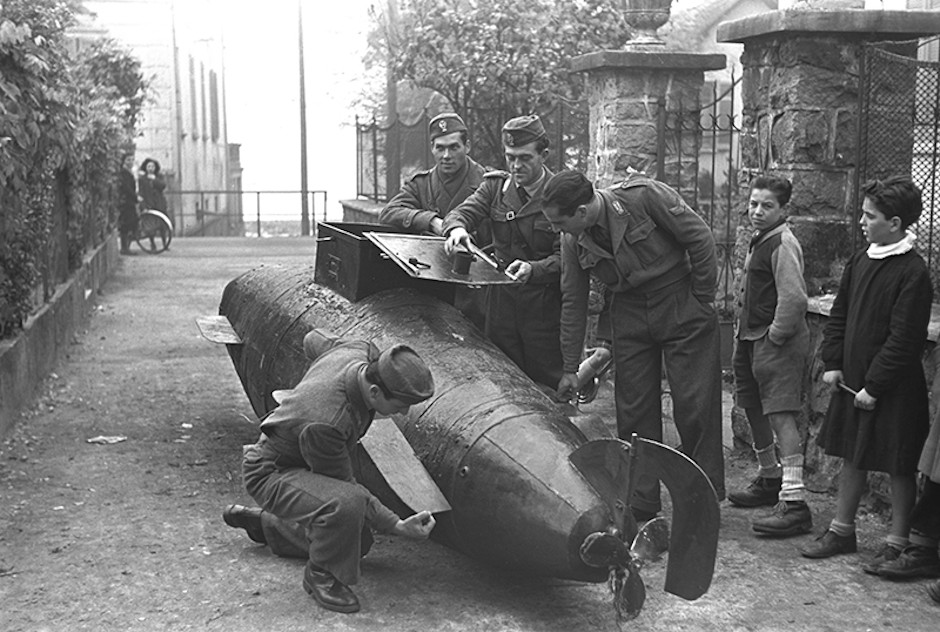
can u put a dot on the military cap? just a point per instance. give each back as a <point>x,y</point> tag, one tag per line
<point>446,123</point>
<point>522,130</point>
<point>405,375</point>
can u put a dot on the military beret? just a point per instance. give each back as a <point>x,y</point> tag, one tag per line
<point>522,130</point>
<point>405,375</point>
<point>446,123</point>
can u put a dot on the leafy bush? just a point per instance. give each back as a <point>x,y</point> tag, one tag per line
<point>67,115</point>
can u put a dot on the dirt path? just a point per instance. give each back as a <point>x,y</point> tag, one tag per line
<point>128,536</point>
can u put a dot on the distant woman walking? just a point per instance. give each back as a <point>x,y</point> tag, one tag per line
<point>150,186</point>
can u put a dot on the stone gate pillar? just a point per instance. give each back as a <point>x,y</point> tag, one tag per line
<point>624,89</point>
<point>800,95</point>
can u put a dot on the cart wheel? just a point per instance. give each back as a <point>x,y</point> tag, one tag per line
<point>154,232</point>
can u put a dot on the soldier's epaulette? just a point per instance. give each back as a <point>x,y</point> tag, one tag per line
<point>426,172</point>
<point>498,173</point>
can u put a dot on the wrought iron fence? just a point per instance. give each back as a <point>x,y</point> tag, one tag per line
<point>269,213</point>
<point>386,155</point>
<point>700,156</point>
<point>899,133</point>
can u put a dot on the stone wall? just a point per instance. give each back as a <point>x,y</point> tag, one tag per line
<point>624,90</point>
<point>28,358</point>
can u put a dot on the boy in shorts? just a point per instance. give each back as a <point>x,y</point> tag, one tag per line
<point>771,345</point>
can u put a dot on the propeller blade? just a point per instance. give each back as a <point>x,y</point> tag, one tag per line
<point>693,545</point>
<point>652,541</point>
<point>629,595</point>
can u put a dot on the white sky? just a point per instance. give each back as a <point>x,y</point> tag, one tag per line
<point>262,92</point>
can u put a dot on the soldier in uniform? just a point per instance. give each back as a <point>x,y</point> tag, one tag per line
<point>522,319</point>
<point>658,258</point>
<point>424,200</point>
<point>301,470</point>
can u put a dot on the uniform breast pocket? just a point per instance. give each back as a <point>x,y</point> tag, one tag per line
<point>646,241</point>
<point>543,236</point>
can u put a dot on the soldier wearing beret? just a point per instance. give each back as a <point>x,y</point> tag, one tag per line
<point>300,471</point>
<point>658,258</point>
<point>522,319</point>
<point>424,200</point>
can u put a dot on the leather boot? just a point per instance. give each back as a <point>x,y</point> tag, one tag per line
<point>247,518</point>
<point>829,544</point>
<point>914,562</point>
<point>787,518</point>
<point>761,492</point>
<point>328,591</point>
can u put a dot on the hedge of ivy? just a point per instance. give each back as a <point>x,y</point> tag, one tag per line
<point>68,114</point>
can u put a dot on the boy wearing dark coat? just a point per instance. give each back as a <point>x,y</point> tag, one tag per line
<point>878,414</point>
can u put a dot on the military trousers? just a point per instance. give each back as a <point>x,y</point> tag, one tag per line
<point>309,515</point>
<point>669,325</point>
<point>524,321</point>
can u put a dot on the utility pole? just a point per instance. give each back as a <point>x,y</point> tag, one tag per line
<point>304,209</point>
<point>392,138</point>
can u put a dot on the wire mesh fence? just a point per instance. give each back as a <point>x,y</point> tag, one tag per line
<point>899,132</point>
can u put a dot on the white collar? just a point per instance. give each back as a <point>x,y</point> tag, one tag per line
<point>876,251</point>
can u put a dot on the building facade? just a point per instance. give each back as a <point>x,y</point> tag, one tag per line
<point>180,44</point>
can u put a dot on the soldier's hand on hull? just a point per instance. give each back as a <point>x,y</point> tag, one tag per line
<point>457,237</point>
<point>567,387</point>
<point>437,226</point>
<point>417,526</point>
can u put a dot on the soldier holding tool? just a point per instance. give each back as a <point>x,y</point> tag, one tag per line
<point>658,259</point>
<point>522,319</point>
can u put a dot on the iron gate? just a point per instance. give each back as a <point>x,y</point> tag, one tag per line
<point>699,155</point>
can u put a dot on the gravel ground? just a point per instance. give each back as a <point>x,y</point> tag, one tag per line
<point>128,535</point>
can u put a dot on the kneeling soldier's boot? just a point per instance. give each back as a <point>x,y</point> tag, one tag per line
<point>328,591</point>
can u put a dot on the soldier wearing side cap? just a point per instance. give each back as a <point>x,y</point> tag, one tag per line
<point>423,201</point>
<point>300,471</point>
<point>522,319</point>
<point>428,196</point>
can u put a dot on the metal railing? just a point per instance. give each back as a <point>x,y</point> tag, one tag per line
<point>257,213</point>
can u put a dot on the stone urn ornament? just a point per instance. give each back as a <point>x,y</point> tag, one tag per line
<point>644,17</point>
